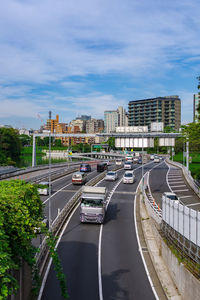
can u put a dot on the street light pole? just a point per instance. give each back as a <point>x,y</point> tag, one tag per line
<point>142,162</point>
<point>50,172</point>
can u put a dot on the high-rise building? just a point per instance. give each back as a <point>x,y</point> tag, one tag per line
<point>110,120</point>
<point>121,116</point>
<point>84,118</point>
<point>114,118</point>
<point>161,109</point>
<point>52,124</point>
<point>196,103</point>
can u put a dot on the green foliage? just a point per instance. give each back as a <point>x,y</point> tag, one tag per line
<point>25,139</point>
<point>191,132</point>
<point>9,146</point>
<point>20,213</point>
<point>111,142</point>
<point>168,129</point>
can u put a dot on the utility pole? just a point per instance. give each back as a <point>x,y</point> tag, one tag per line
<point>50,172</point>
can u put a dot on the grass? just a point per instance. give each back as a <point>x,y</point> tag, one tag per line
<point>194,166</point>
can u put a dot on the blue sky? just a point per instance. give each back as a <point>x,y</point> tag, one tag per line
<point>78,57</point>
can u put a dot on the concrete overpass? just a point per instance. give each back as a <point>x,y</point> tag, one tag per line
<point>129,138</point>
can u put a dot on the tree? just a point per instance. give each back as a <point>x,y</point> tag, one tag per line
<point>21,212</point>
<point>10,146</point>
<point>25,140</point>
<point>111,142</point>
<point>191,132</point>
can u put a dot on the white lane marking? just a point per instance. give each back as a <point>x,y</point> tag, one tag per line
<point>57,192</point>
<point>100,237</point>
<point>140,248</point>
<point>193,204</point>
<point>100,243</point>
<point>50,261</point>
<point>190,196</point>
<point>167,177</point>
<point>60,190</point>
<point>64,228</point>
<point>176,181</point>
<point>175,186</point>
<point>186,190</point>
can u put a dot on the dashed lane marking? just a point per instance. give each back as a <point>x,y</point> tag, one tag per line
<point>186,190</point>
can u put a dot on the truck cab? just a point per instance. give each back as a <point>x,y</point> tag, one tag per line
<point>93,204</point>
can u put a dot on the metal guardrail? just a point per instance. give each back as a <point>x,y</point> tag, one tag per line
<point>153,208</point>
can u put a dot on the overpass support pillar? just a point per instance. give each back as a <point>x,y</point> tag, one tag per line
<point>34,153</point>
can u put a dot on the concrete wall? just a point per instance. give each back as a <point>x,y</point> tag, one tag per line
<point>187,284</point>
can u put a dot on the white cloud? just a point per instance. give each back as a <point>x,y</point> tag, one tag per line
<point>52,41</point>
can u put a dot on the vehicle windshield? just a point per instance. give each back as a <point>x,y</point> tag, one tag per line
<point>128,175</point>
<point>128,163</point>
<point>111,173</point>
<point>76,176</point>
<point>92,202</point>
<point>172,197</point>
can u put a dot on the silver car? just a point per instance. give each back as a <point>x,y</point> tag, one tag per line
<point>129,177</point>
<point>111,175</point>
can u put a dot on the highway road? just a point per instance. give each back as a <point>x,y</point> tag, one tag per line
<point>101,261</point>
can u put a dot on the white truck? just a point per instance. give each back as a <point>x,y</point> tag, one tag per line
<point>93,204</point>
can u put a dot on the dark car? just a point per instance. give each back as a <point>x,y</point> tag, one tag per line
<point>140,160</point>
<point>102,167</point>
<point>85,168</point>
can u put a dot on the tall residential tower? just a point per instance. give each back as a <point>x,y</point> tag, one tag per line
<point>160,109</point>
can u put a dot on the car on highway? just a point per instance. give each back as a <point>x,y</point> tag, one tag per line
<point>118,161</point>
<point>85,168</point>
<point>111,175</point>
<point>43,188</point>
<point>139,160</point>
<point>129,177</point>
<point>128,165</point>
<point>170,196</point>
<point>156,159</point>
<point>102,166</point>
<point>107,162</point>
<point>79,178</point>
<point>152,156</point>
<point>135,159</point>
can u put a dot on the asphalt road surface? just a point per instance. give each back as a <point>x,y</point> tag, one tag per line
<point>103,261</point>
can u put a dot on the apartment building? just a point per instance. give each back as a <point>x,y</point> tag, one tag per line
<point>114,118</point>
<point>196,103</point>
<point>161,109</point>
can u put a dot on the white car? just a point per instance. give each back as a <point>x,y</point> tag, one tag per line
<point>152,157</point>
<point>128,165</point>
<point>111,175</point>
<point>129,177</point>
<point>43,188</point>
<point>169,196</point>
<point>118,161</point>
<point>156,159</point>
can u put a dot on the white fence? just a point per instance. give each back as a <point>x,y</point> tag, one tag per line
<point>184,220</point>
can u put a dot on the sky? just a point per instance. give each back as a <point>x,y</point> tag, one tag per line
<point>78,57</point>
